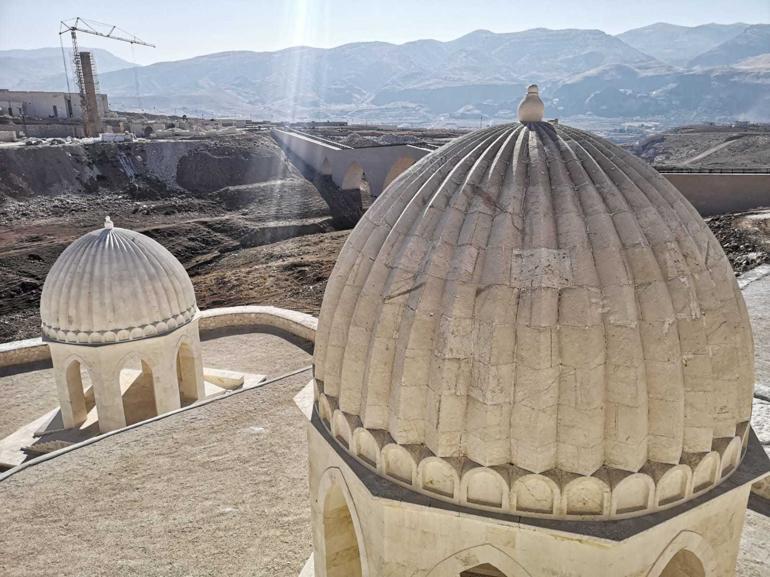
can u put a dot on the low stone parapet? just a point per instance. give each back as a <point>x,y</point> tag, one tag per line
<point>23,352</point>
<point>30,351</point>
<point>296,323</point>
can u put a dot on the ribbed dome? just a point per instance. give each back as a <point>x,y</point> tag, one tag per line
<point>533,296</point>
<point>114,285</point>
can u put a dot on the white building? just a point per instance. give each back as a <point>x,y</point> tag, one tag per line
<point>35,104</point>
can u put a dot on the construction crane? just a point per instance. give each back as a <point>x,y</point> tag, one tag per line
<point>84,67</point>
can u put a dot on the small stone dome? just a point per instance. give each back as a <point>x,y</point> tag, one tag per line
<point>533,299</point>
<point>113,285</point>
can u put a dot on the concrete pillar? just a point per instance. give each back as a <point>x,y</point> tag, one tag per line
<point>165,386</point>
<point>72,401</point>
<point>109,400</point>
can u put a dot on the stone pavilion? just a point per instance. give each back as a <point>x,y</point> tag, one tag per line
<point>532,359</point>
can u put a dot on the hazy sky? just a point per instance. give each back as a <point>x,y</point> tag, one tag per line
<point>186,28</point>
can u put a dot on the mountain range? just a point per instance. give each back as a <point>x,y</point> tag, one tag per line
<point>671,73</point>
<point>43,68</point>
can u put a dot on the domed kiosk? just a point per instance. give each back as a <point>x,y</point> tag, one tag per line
<point>115,296</point>
<point>532,358</point>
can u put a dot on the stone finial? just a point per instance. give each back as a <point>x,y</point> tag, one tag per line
<point>108,222</point>
<point>531,107</point>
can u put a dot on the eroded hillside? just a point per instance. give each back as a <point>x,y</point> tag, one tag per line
<point>204,200</point>
<point>709,146</point>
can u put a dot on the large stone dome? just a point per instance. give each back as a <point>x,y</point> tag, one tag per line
<point>532,299</point>
<point>113,285</point>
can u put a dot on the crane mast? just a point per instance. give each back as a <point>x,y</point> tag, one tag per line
<point>84,66</point>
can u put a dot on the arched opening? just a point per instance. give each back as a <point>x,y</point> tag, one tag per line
<point>354,177</point>
<point>684,564</point>
<point>138,390</point>
<point>81,392</point>
<point>185,375</point>
<point>484,570</point>
<point>466,564</point>
<point>343,558</point>
<point>397,168</point>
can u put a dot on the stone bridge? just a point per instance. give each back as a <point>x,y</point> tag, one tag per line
<point>347,166</point>
<point>710,191</point>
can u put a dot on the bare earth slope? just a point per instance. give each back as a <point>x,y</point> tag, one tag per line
<point>710,147</point>
<point>203,200</point>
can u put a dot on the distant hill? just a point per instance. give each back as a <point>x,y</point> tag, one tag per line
<point>479,73</point>
<point>483,74</point>
<point>43,69</point>
<point>752,42</point>
<point>678,45</point>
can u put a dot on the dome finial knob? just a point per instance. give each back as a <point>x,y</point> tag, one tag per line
<point>108,222</point>
<point>531,108</point>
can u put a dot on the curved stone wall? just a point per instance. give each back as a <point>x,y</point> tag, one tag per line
<point>299,324</point>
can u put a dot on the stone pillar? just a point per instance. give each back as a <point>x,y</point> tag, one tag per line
<point>72,401</point>
<point>189,367</point>
<point>165,385</point>
<point>109,400</point>
<point>200,386</point>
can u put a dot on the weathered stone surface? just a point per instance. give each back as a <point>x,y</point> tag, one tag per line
<point>532,296</point>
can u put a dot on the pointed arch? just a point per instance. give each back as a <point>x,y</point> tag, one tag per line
<point>687,555</point>
<point>684,563</point>
<point>342,553</point>
<point>137,387</point>
<point>353,178</point>
<point>80,391</point>
<point>399,166</point>
<point>476,558</point>
<point>185,373</point>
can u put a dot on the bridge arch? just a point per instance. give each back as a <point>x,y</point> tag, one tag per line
<point>354,177</point>
<point>399,166</point>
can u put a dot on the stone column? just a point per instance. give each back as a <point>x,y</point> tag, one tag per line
<point>200,387</point>
<point>109,400</point>
<point>165,385</point>
<point>189,366</point>
<point>69,387</point>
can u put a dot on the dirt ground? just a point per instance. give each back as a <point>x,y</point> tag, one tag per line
<point>745,238</point>
<point>710,147</point>
<point>211,203</point>
<point>290,274</point>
